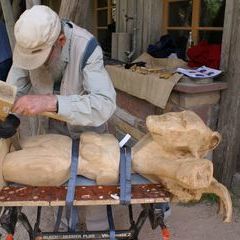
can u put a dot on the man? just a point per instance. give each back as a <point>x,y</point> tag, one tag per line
<point>62,65</point>
<point>5,52</point>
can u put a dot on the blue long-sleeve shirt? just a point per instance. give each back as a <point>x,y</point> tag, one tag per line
<point>5,49</point>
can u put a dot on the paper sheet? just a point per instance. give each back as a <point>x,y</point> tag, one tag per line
<point>202,72</point>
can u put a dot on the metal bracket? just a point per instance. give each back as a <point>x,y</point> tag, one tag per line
<point>156,217</point>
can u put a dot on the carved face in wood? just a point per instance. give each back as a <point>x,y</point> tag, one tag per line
<point>183,134</point>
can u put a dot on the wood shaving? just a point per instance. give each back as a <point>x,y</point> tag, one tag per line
<point>115,196</point>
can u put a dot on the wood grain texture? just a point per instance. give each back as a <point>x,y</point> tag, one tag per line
<point>227,33</point>
<point>147,14</point>
<point>226,157</point>
<point>76,11</point>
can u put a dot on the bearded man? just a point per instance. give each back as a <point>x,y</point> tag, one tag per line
<point>58,67</point>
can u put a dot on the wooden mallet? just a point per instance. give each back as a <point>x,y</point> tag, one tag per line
<point>7,98</point>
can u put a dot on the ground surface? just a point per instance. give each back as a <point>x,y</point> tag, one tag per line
<point>187,222</point>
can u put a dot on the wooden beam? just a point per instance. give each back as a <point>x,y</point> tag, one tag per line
<point>227,32</point>
<point>225,157</point>
<point>196,28</point>
<point>104,28</point>
<point>109,9</point>
<point>84,195</point>
<point>118,15</point>
<point>165,16</point>
<point>155,30</point>
<point>122,15</point>
<point>147,11</point>
<point>195,20</point>
<point>139,37</point>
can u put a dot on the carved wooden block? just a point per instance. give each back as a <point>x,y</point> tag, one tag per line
<point>45,160</point>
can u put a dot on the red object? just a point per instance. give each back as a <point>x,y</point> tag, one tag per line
<point>165,234</point>
<point>9,237</point>
<point>204,54</point>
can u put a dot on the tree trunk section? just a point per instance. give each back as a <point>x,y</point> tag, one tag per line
<point>226,155</point>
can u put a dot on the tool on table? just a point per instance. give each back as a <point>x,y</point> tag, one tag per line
<point>165,74</point>
<point>137,64</point>
<point>7,99</point>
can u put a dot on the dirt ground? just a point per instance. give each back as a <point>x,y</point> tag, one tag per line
<point>187,222</point>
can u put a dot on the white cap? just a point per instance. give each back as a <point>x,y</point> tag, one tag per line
<point>36,31</point>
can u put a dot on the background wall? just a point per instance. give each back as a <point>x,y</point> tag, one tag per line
<point>148,17</point>
<point>81,12</point>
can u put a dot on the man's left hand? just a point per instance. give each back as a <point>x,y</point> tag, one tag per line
<point>31,105</point>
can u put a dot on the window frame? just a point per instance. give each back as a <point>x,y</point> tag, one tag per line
<point>195,27</point>
<point>109,13</point>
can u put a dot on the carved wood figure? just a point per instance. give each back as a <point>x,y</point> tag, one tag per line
<point>175,146</point>
<point>45,160</point>
<point>172,153</point>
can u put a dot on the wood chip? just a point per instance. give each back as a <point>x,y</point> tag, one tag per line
<point>115,196</point>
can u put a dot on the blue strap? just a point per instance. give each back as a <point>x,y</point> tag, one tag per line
<point>111,223</point>
<point>91,46</point>
<point>71,212</point>
<point>125,175</point>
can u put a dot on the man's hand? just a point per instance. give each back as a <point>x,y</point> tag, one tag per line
<point>31,105</point>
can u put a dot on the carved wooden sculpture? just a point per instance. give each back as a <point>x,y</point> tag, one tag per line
<point>172,153</point>
<point>45,160</point>
<point>182,134</point>
<point>175,147</point>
